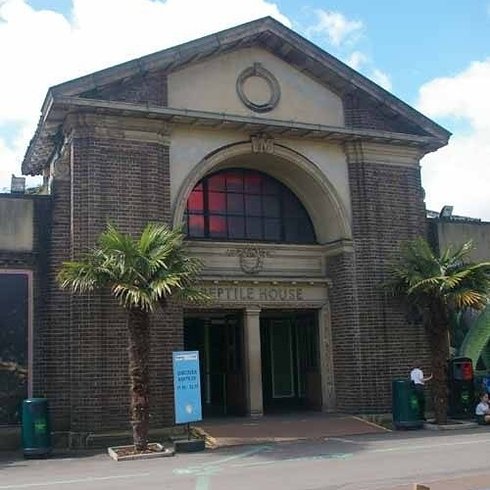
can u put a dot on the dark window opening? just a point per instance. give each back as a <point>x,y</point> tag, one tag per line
<point>13,345</point>
<point>241,204</point>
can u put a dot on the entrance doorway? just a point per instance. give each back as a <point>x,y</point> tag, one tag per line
<point>290,364</point>
<point>219,339</point>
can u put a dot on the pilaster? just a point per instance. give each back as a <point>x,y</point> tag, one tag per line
<point>326,359</point>
<point>253,362</point>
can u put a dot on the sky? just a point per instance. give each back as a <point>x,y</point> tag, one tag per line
<point>432,54</point>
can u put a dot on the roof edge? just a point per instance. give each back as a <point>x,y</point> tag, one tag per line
<point>175,115</point>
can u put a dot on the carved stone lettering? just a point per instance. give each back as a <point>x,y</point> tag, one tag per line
<point>280,294</point>
<point>262,144</point>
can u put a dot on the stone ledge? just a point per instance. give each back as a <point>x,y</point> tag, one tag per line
<point>117,452</point>
<point>10,438</point>
<point>451,425</point>
<point>103,440</point>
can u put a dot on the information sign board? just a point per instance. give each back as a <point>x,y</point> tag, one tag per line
<point>187,387</point>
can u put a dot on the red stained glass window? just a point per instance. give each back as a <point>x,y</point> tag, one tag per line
<point>196,226</point>
<point>216,182</point>
<point>196,202</point>
<point>242,204</point>
<point>217,202</point>
<point>217,226</point>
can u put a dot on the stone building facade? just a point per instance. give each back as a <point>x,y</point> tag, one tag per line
<point>296,179</point>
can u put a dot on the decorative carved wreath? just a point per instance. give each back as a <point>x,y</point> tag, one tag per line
<point>257,70</point>
<point>251,258</point>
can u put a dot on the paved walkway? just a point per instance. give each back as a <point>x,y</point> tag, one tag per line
<point>279,428</point>
<point>473,482</point>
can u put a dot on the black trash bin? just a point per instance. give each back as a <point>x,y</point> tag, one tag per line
<point>461,388</point>
<point>36,428</point>
<point>405,405</point>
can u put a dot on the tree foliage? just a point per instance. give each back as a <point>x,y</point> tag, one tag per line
<point>437,286</point>
<point>142,273</point>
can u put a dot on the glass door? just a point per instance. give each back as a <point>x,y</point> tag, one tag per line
<point>290,367</point>
<point>219,340</point>
<point>281,355</point>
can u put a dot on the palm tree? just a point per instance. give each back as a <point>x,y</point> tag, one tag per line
<point>436,286</point>
<point>141,273</point>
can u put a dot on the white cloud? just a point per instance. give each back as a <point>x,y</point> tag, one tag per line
<point>356,60</point>
<point>43,48</point>
<point>336,27</point>
<point>381,78</point>
<point>7,154</point>
<point>459,174</point>
<point>343,34</point>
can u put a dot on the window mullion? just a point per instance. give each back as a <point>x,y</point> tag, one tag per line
<point>205,205</point>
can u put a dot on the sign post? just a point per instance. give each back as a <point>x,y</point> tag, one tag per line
<point>187,387</point>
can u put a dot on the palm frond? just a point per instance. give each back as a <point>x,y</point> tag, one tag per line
<point>442,282</point>
<point>140,271</point>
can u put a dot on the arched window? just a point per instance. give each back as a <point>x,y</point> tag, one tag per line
<point>241,204</point>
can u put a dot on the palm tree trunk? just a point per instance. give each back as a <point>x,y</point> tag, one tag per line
<point>439,345</point>
<point>139,349</point>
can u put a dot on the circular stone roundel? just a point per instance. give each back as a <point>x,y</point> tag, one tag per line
<point>258,88</point>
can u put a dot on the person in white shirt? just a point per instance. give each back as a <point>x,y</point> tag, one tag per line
<point>418,382</point>
<point>482,410</point>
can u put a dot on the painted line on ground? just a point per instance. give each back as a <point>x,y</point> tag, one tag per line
<point>202,483</point>
<point>204,471</point>
<point>318,457</point>
<point>347,455</point>
<point>426,446</point>
<point>373,424</point>
<point>347,441</point>
<point>72,482</point>
<point>215,466</point>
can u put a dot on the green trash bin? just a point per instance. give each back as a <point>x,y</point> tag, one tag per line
<point>405,405</point>
<point>36,427</point>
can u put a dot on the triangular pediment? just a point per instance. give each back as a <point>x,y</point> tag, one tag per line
<point>365,104</point>
<point>319,95</point>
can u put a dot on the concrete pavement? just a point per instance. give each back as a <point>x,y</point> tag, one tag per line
<point>232,431</point>
<point>389,461</point>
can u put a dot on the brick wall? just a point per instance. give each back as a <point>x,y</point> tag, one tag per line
<point>346,336</point>
<point>387,209</point>
<point>42,238</point>
<point>125,182</point>
<point>52,337</point>
<point>144,87</point>
<point>360,112</point>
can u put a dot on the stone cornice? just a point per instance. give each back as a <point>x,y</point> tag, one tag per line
<point>109,115</point>
<point>273,281</point>
<point>218,120</point>
<point>113,127</point>
<point>383,153</point>
<point>327,249</point>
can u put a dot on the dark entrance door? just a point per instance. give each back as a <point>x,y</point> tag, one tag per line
<point>219,340</point>
<point>290,365</point>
